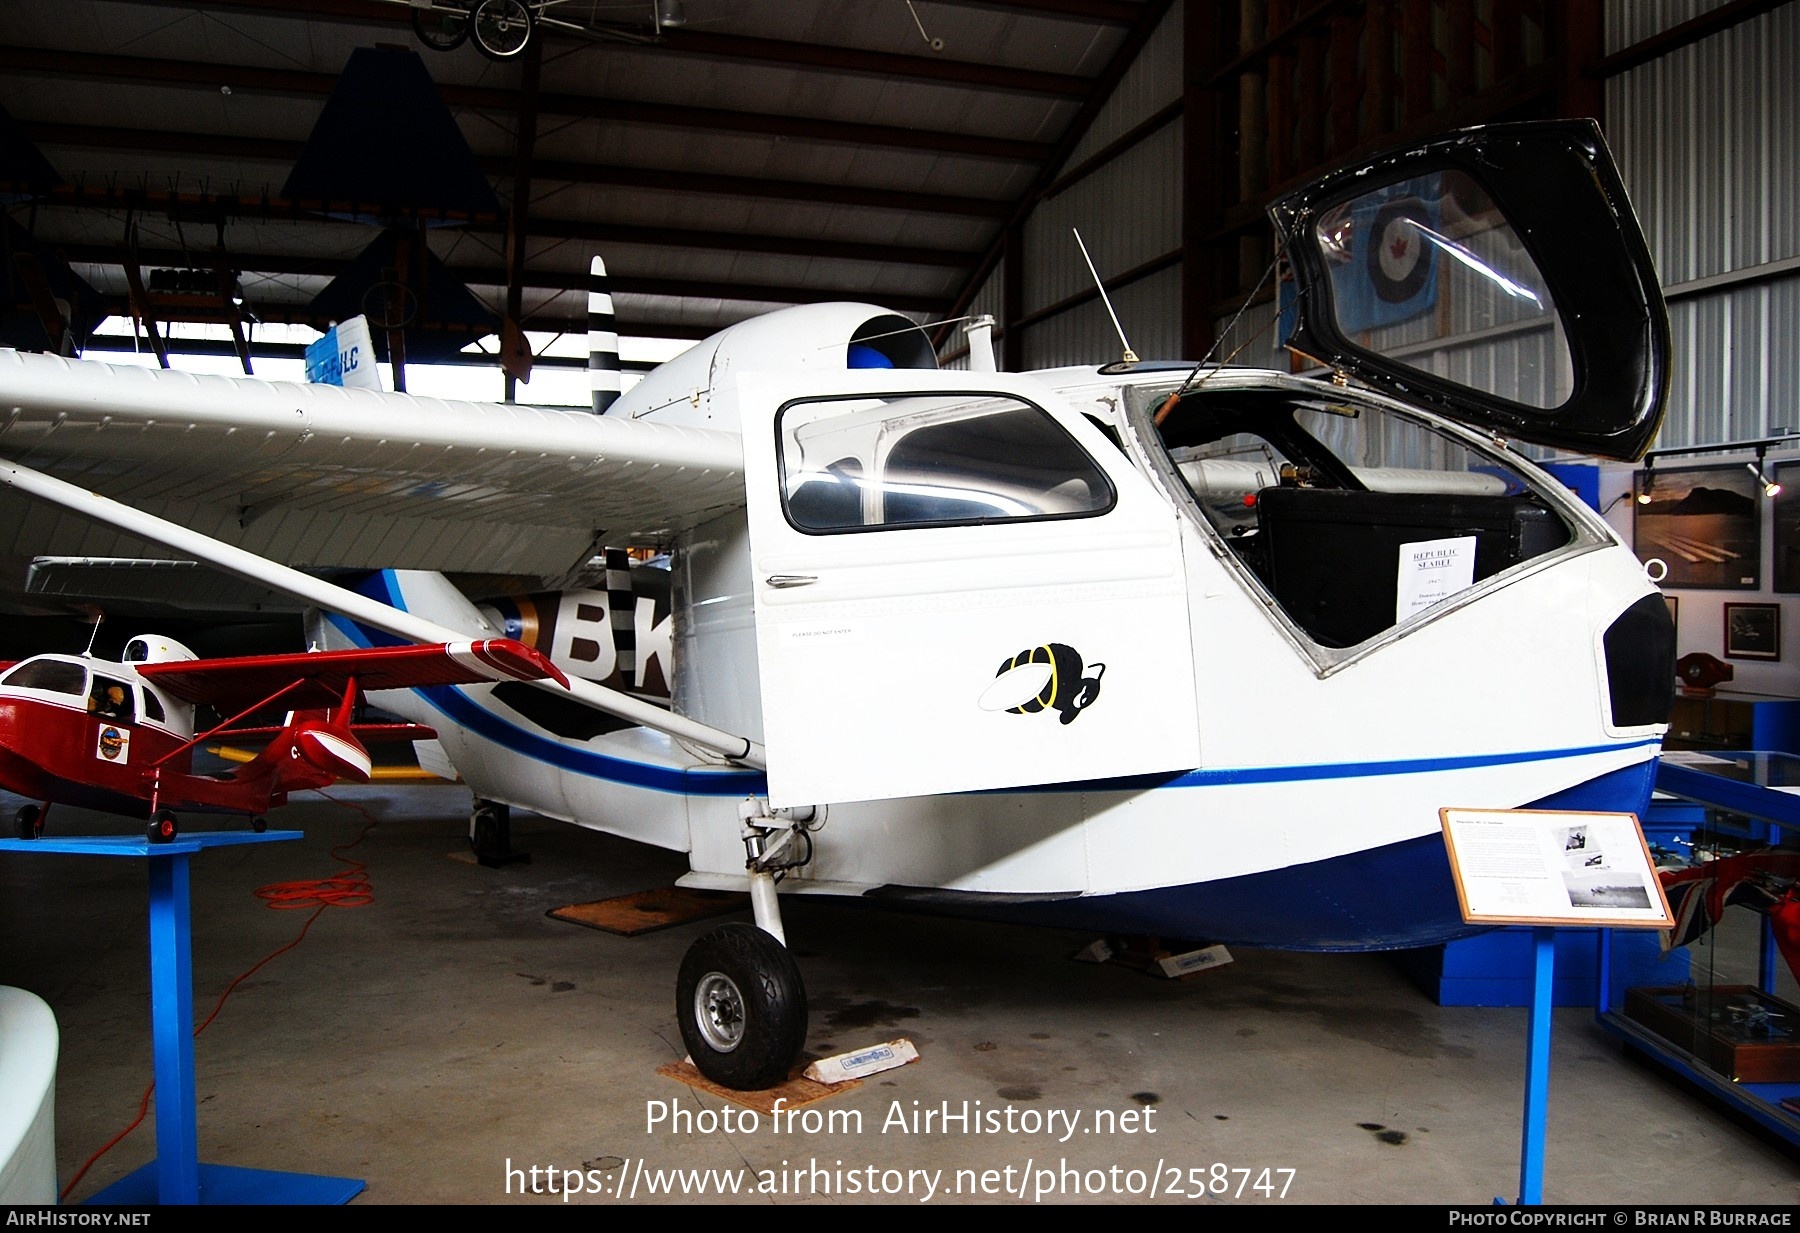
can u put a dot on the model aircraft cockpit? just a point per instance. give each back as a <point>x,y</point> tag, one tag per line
<point>120,736</point>
<point>67,681</point>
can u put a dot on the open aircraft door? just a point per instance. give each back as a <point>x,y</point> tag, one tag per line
<point>960,584</point>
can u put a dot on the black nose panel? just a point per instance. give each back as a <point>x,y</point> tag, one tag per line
<point>1640,664</point>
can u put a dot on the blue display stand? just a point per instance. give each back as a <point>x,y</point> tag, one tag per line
<point>1537,1067</point>
<point>1495,968</point>
<point>176,1175</point>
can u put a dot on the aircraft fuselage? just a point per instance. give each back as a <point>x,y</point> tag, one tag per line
<point>1303,811</point>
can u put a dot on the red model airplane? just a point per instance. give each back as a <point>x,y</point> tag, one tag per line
<point>121,737</point>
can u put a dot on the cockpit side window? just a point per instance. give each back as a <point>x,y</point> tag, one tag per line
<point>111,699</point>
<point>51,675</point>
<point>885,464</point>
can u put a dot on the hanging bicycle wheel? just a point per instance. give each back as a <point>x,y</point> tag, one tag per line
<point>442,27</point>
<point>502,28</point>
<point>390,306</point>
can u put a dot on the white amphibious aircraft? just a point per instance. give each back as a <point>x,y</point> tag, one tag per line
<point>1149,647</point>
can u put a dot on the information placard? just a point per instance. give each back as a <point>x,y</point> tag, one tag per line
<point>1549,867</point>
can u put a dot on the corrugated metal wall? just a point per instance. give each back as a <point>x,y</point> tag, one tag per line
<point>1129,212</point>
<point>1708,140</point>
<point>1151,83</point>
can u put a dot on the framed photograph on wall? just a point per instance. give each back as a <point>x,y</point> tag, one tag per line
<point>1704,523</point>
<point>1752,631</point>
<point>1787,529</point>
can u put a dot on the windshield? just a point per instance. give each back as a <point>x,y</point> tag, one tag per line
<point>52,675</point>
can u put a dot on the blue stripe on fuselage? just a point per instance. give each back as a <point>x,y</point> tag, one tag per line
<point>460,709</point>
<point>463,711</point>
<point>1342,903</point>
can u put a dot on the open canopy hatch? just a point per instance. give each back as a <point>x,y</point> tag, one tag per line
<point>1496,276</point>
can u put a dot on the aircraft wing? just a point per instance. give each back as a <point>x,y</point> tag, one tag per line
<point>316,475</point>
<point>319,678</point>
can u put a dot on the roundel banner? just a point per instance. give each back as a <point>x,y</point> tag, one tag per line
<point>1399,255</point>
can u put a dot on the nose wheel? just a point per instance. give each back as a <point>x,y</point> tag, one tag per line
<point>741,1006</point>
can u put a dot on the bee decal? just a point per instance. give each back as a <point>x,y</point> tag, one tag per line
<point>1043,678</point>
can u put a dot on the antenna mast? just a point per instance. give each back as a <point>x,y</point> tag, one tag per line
<point>96,616</point>
<point>1130,356</point>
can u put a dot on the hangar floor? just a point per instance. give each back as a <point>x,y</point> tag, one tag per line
<point>450,1031</point>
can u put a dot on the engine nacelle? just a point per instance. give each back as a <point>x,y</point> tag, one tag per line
<point>156,649</point>
<point>699,386</point>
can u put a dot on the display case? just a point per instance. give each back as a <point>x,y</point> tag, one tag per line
<point>1724,720</point>
<point>1732,1026</point>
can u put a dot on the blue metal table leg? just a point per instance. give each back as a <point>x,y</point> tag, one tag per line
<point>1537,1067</point>
<point>1766,973</point>
<point>172,1031</point>
<point>1603,973</point>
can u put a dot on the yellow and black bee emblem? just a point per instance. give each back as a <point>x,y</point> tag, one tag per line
<point>1044,678</point>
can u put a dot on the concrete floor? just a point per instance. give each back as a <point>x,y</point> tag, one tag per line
<point>427,1040</point>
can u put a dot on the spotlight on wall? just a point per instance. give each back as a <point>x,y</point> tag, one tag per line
<point>1770,487</point>
<point>1643,496</point>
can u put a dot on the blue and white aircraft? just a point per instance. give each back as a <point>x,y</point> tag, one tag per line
<point>1147,647</point>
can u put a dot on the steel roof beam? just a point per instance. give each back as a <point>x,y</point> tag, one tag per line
<point>732,241</point>
<point>1108,12</point>
<point>284,152</point>
<point>1148,16</point>
<point>538,280</point>
<point>963,74</point>
<point>189,207</point>
<point>184,74</point>
<point>116,343</point>
<point>684,41</point>
<point>292,314</point>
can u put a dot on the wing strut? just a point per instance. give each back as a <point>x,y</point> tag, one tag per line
<point>234,560</point>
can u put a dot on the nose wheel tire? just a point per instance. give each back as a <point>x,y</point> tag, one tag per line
<point>162,827</point>
<point>30,821</point>
<point>741,1006</point>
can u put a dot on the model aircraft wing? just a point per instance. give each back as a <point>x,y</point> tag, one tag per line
<point>319,678</point>
<point>318,475</point>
